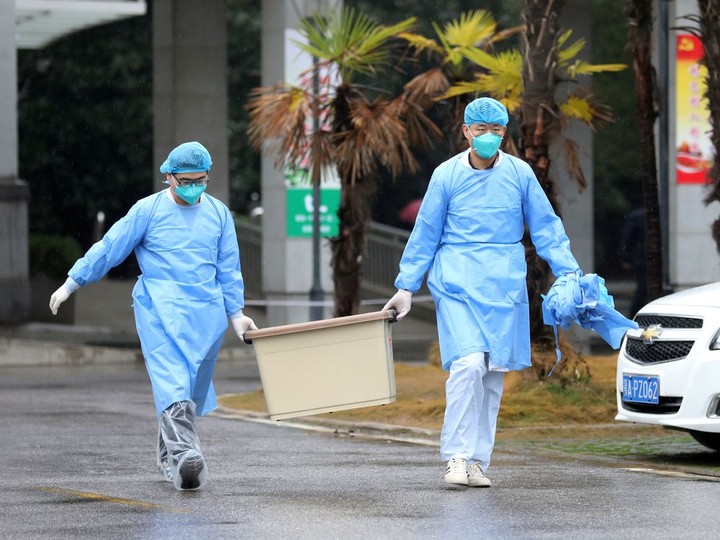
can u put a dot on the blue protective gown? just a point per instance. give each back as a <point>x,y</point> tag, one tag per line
<point>190,283</point>
<point>468,235</point>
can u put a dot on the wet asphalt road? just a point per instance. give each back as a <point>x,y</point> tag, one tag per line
<point>78,462</point>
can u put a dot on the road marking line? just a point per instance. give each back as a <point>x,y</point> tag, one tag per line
<point>678,474</point>
<point>106,498</point>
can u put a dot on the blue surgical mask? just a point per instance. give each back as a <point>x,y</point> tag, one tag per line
<point>487,144</point>
<point>190,194</point>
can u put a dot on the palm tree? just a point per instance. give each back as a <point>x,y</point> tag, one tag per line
<point>549,59</point>
<point>540,123</point>
<point>640,40</point>
<point>527,84</point>
<point>362,128</point>
<point>452,56</point>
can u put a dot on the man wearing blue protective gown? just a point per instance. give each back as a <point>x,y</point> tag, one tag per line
<point>467,238</point>
<point>187,250</point>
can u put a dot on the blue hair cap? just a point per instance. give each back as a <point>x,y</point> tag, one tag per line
<point>486,110</point>
<point>190,157</point>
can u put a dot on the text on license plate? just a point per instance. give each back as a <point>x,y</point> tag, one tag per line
<point>641,389</point>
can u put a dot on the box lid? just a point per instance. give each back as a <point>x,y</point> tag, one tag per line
<point>317,325</point>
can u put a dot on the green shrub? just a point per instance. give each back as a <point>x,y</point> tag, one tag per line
<point>52,256</point>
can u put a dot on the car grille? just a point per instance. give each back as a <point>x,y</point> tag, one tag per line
<point>667,405</point>
<point>668,321</point>
<point>657,351</point>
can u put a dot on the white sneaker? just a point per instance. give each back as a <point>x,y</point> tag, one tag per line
<point>476,478</point>
<point>457,472</point>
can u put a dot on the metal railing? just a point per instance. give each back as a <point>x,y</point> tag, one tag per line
<point>249,237</point>
<point>385,245</point>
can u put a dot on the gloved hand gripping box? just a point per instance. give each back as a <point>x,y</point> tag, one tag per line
<point>325,366</point>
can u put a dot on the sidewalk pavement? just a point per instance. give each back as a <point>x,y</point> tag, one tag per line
<point>104,333</point>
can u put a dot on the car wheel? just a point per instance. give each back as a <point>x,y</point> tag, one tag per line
<point>710,440</point>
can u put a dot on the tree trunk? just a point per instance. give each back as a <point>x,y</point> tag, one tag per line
<point>349,246</point>
<point>640,39</point>
<point>539,124</point>
<point>710,35</point>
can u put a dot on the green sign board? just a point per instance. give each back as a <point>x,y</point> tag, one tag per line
<point>300,212</point>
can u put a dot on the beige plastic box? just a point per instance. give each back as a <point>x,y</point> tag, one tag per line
<point>325,366</point>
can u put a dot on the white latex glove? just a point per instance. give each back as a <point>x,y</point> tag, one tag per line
<point>401,302</point>
<point>62,294</point>
<point>242,323</point>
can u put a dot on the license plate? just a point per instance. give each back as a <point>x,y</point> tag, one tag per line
<point>641,389</point>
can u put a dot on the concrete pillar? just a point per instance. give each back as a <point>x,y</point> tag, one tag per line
<point>576,206</point>
<point>287,261</point>
<point>693,258</point>
<point>14,194</point>
<point>190,83</point>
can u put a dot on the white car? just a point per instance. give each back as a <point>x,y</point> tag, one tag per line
<point>668,370</point>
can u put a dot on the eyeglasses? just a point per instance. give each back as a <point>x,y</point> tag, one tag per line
<point>202,181</point>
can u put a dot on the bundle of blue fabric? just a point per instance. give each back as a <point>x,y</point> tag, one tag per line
<point>584,299</point>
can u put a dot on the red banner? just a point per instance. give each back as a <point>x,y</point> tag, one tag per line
<point>693,146</point>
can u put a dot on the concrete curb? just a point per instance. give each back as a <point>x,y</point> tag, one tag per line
<point>18,352</point>
<point>27,353</point>
<point>371,430</point>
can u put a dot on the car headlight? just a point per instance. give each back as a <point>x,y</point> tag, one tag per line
<point>715,342</point>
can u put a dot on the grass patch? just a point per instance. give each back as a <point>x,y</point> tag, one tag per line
<point>570,414</point>
<point>644,445</point>
<point>526,402</point>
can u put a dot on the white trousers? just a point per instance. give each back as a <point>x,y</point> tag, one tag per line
<point>472,394</point>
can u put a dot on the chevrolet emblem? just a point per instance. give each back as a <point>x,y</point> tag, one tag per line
<point>651,333</point>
